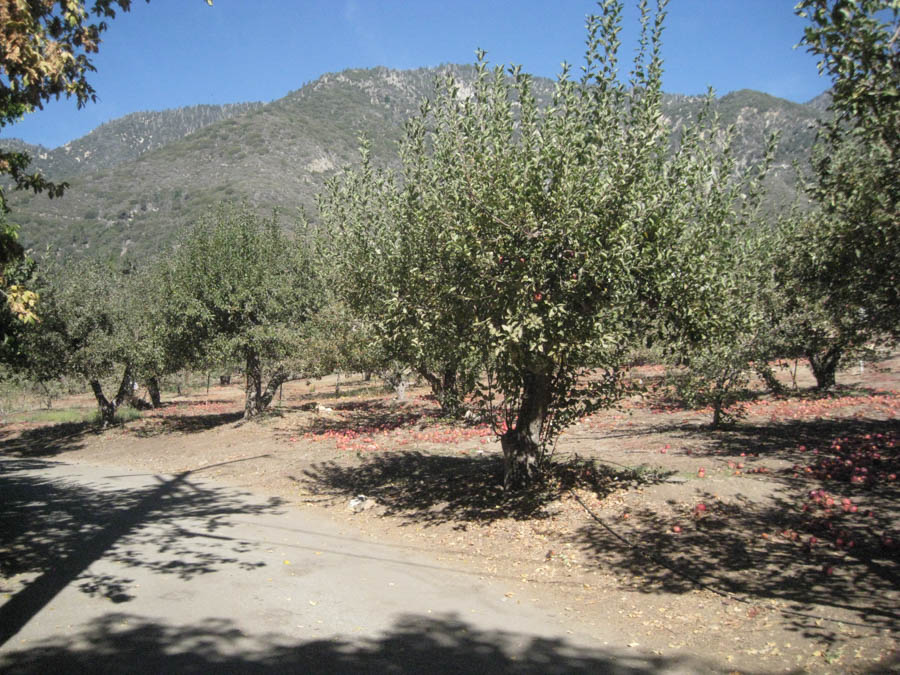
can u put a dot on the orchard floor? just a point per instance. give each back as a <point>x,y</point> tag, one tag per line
<point>770,546</point>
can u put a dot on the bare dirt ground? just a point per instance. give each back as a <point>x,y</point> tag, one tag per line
<point>771,546</point>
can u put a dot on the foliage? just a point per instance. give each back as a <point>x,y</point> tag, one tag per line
<point>804,321</point>
<point>719,346</point>
<point>239,289</point>
<point>336,340</point>
<point>389,271</point>
<point>855,234</point>
<point>81,332</point>
<point>15,270</point>
<point>545,240</point>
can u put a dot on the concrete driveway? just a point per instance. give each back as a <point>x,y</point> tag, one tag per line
<point>103,570</point>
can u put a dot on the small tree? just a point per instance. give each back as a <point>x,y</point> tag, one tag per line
<point>241,290</point>
<point>724,331</point>
<point>735,336</point>
<point>543,240</point>
<point>805,322</point>
<point>81,333</point>
<point>387,270</point>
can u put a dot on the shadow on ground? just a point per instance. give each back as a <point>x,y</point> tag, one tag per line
<point>432,489</point>
<point>185,424</point>
<point>784,438</point>
<point>47,441</point>
<point>822,566</point>
<point>415,644</point>
<point>52,530</point>
<point>371,415</point>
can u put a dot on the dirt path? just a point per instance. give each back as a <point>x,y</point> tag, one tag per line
<point>755,549</point>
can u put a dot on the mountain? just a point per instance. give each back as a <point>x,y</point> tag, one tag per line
<point>124,139</point>
<point>137,182</point>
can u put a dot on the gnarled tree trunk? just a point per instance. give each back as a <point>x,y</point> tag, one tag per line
<point>108,408</point>
<point>258,399</point>
<point>445,389</point>
<point>153,391</point>
<point>522,451</point>
<point>824,366</point>
<point>396,379</point>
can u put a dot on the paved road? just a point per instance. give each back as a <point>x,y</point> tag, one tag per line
<point>109,571</point>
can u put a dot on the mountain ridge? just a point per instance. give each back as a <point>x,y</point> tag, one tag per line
<point>137,182</point>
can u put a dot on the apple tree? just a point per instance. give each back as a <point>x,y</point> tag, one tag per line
<point>83,332</point>
<point>385,267</point>
<point>852,238</point>
<point>240,289</point>
<point>542,240</point>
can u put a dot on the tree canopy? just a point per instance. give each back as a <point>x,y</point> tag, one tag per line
<point>857,165</point>
<point>240,289</point>
<point>542,240</point>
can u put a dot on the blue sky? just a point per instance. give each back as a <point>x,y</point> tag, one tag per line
<point>171,53</point>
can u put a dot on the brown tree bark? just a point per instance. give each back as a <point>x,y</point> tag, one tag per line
<point>153,391</point>
<point>108,408</point>
<point>258,399</point>
<point>521,444</point>
<point>824,366</point>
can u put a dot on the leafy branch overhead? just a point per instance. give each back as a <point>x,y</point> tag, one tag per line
<point>47,50</point>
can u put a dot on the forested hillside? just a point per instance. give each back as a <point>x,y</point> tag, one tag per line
<point>138,181</point>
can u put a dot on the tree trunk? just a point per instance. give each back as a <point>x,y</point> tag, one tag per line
<point>445,389</point>
<point>824,366</point>
<point>396,381</point>
<point>153,391</point>
<point>252,385</point>
<point>257,399</point>
<point>108,408</point>
<point>522,451</point>
<point>717,415</point>
<point>767,375</point>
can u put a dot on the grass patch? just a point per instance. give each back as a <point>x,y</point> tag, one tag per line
<point>123,414</point>
<point>72,416</point>
<point>54,416</point>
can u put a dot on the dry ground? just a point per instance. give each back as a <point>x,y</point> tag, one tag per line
<point>771,546</point>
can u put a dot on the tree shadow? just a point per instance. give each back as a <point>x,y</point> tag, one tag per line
<point>414,644</point>
<point>784,438</point>
<point>328,395</point>
<point>371,415</point>
<point>46,441</point>
<point>825,567</point>
<point>435,489</point>
<point>53,529</point>
<point>185,424</point>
